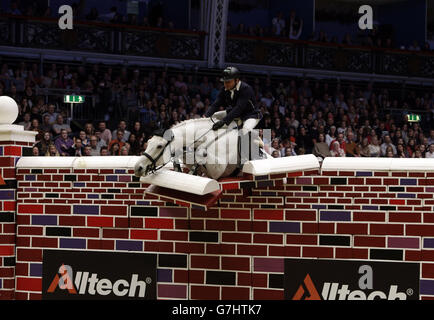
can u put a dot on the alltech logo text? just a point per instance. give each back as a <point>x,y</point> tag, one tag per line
<point>93,275</point>
<point>83,283</point>
<point>350,280</point>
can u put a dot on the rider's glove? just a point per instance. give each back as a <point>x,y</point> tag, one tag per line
<point>218,125</point>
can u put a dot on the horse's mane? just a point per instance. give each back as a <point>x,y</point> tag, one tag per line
<point>186,122</point>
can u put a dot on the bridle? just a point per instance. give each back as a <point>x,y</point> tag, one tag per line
<point>153,166</point>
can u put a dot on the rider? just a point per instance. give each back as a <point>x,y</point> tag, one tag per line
<point>238,99</point>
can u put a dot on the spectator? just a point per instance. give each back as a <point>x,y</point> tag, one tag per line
<point>26,123</point>
<point>52,151</point>
<point>124,151</point>
<point>35,127</point>
<point>43,144</point>
<point>331,136</point>
<point>46,125</point>
<point>304,140</point>
<point>104,151</point>
<point>14,9</point>
<point>387,143</point>
<point>336,150</point>
<point>278,24</point>
<point>431,137</point>
<point>118,140</point>
<point>95,147</point>
<point>114,149</point>
<point>275,154</point>
<point>87,151</point>
<point>374,147</point>
<point>321,148</point>
<point>340,139</point>
<point>289,152</point>
<point>77,149</point>
<point>51,113</point>
<point>59,126</point>
<point>106,134</point>
<point>35,151</point>
<point>122,126</point>
<point>63,143</point>
<point>364,148</point>
<point>430,152</point>
<point>351,147</point>
<point>400,151</point>
<point>295,29</point>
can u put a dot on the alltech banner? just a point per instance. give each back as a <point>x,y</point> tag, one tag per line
<point>312,279</point>
<point>93,275</point>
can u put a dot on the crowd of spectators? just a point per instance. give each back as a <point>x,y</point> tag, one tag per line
<point>291,27</point>
<point>304,116</point>
<point>154,18</point>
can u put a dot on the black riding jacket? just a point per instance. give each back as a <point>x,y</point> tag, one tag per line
<point>242,105</point>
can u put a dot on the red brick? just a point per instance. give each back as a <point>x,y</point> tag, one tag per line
<point>267,294</point>
<point>271,214</point>
<point>259,280</point>
<point>44,242</point>
<point>427,270</point>
<point>220,225</point>
<point>284,251</point>
<point>235,293</point>
<point>317,252</point>
<point>301,239</point>
<point>189,276</point>
<point>220,248</point>
<point>365,241</point>
<point>100,244</point>
<point>144,234</point>
<point>51,209</point>
<point>369,216</point>
<point>237,237</point>
<point>30,208</point>
<point>419,230</point>
<point>386,229</point>
<point>174,235</point>
<point>205,292</point>
<point>236,263</point>
<point>114,210</point>
<point>301,215</point>
<point>352,253</point>
<point>122,222</point>
<point>308,227</point>
<point>373,181</point>
<point>159,246</point>
<point>235,213</point>
<point>7,161</point>
<point>158,223</point>
<point>252,250</point>
<point>352,228</point>
<point>72,220</point>
<point>405,217</point>
<point>188,247</point>
<point>7,250</point>
<point>100,222</point>
<point>397,202</point>
<point>24,254</point>
<point>268,238</point>
<point>205,262</point>
<point>29,284</point>
<point>85,232</point>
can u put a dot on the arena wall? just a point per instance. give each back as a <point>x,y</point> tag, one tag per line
<point>366,210</point>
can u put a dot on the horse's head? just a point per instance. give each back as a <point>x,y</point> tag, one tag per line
<point>153,155</point>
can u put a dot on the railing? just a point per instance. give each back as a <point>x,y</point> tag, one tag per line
<point>99,37</point>
<point>326,56</point>
<point>126,40</point>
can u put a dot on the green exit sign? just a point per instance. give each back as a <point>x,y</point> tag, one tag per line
<point>73,99</point>
<point>413,118</point>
